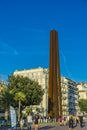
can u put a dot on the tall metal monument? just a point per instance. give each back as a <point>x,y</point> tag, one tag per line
<point>54,92</point>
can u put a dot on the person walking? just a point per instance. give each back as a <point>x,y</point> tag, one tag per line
<point>81,121</point>
<point>60,120</point>
<point>21,123</point>
<point>36,125</point>
<point>64,121</point>
<point>70,123</point>
<point>29,121</point>
<point>77,120</point>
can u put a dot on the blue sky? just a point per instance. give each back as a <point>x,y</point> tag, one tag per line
<point>25,27</point>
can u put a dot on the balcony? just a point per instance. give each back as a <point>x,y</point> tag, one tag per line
<point>64,104</point>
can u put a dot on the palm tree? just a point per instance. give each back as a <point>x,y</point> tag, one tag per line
<point>19,96</point>
<point>5,100</point>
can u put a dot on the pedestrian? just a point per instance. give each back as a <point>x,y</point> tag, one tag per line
<point>36,125</point>
<point>81,120</point>
<point>67,120</point>
<point>70,123</point>
<point>29,121</point>
<point>21,123</point>
<point>64,122</point>
<point>60,120</point>
<point>77,120</point>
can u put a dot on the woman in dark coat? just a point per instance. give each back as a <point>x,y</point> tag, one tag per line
<point>36,126</point>
<point>70,123</point>
<point>81,120</point>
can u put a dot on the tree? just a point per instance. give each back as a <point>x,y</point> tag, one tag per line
<point>32,90</point>
<point>5,99</point>
<point>19,97</point>
<point>2,86</point>
<point>83,105</point>
<point>28,110</point>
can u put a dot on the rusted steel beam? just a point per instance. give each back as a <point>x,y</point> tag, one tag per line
<point>54,92</point>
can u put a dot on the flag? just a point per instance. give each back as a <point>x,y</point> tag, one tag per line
<point>13,117</point>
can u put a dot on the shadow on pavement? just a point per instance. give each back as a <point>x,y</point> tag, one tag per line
<point>47,127</point>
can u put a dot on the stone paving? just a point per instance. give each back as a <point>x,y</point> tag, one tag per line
<point>52,126</point>
<point>57,127</point>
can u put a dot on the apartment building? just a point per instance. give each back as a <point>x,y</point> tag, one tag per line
<point>82,88</point>
<point>41,76</point>
<point>70,96</point>
<point>68,88</point>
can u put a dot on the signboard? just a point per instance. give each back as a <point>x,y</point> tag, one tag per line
<point>13,117</point>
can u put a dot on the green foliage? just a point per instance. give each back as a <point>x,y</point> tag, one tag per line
<point>28,110</point>
<point>20,96</point>
<point>38,110</point>
<point>5,96</point>
<point>31,89</point>
<point>83,105</point>
<point>2,86</point>
<point>6,99</point>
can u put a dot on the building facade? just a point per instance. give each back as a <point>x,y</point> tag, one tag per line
<point>41,76</point>
<point>70,96</point>
<point>69,90</point>
<point>82,88</point>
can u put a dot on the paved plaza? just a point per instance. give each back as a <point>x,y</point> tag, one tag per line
<point>51,126</point>
<point>57,127</point>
